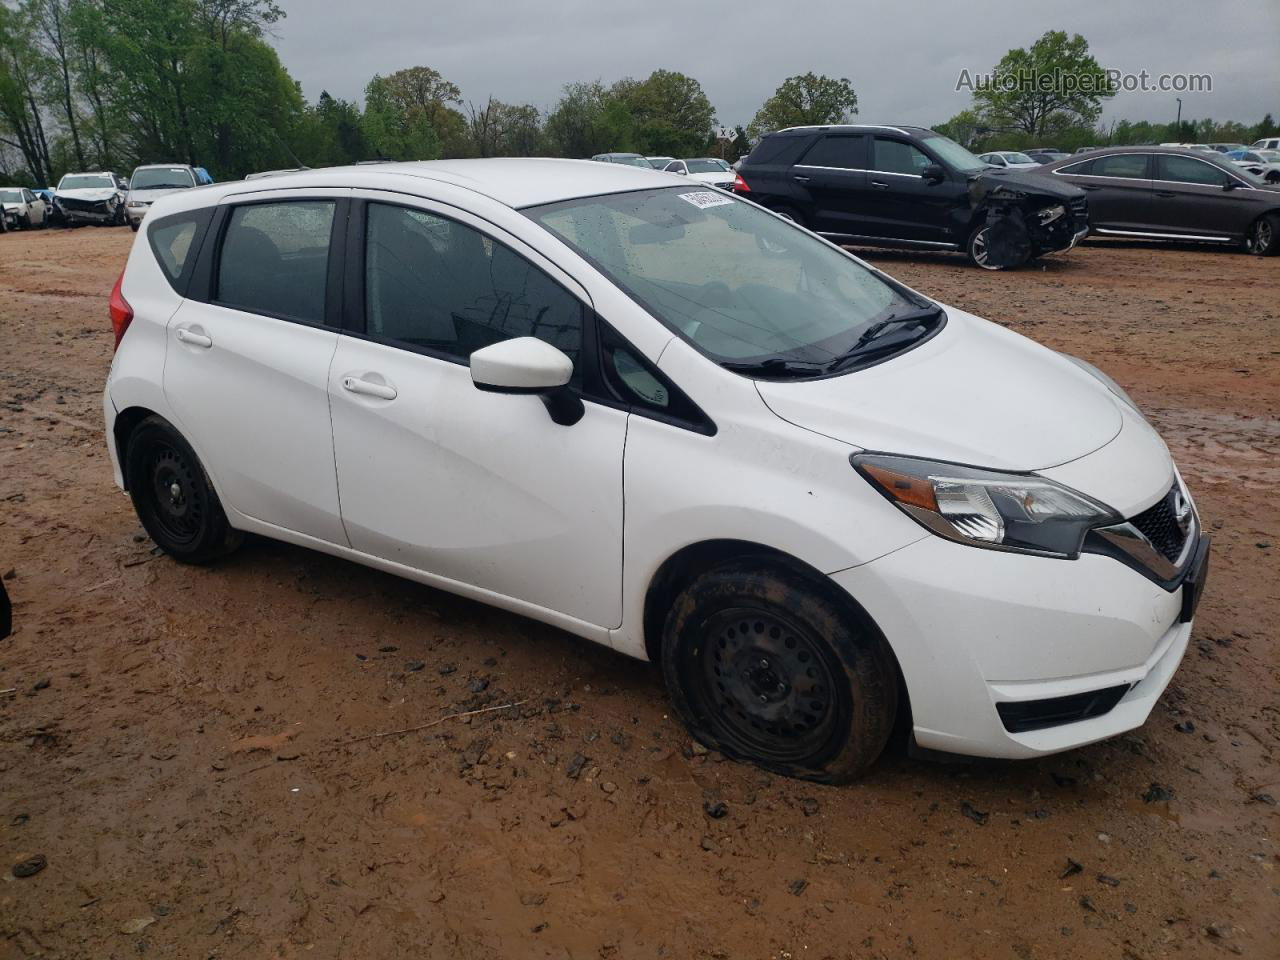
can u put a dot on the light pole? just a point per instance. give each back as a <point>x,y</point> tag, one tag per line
<point>1178,125</point>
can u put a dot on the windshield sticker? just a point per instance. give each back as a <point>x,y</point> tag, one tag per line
<point>706,198</point>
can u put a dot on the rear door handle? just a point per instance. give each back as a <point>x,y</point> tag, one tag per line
<point>383,391</point>
<point>195,339</point>
<point>1166,194</point>
<point>799,178</point>
<point>879,184</point>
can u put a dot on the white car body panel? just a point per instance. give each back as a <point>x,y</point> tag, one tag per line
<point>570,524</point>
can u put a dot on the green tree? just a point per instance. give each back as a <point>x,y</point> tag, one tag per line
<point>22,123</point>
<point>394,131</point>
<point>497,129</point>
<point>423,96</point>
<point>806,100</point>
<point>966,128</point>
<point>1056,83</point>
<point>589,119</point>
<point>670,113</point>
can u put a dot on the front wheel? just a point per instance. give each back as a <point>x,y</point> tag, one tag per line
<point>767,667</point>
<point>173,496</point>
<point>978,252</point>
<point>1263,239</point>
<point>134,225</point>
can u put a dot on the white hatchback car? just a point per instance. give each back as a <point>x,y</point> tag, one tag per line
<point>666,420</point>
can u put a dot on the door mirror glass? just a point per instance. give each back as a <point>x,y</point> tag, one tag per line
<point>933,173</point>
<point>521,365</point>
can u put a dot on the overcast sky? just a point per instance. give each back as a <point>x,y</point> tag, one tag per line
<point>903,59</point>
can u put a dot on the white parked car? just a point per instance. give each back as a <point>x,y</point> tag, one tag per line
<point>659,163</point>
<point>707,169</point>
<point>23,208</point>
<point>1266,143</point>
<point>1261,163</point>
<point>91,198</point>
<point>665,419</point>
<point>1008,160</point>
<point>151,182</point>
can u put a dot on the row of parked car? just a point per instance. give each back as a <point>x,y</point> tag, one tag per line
<point>99,197</point>
<point>710,170</point>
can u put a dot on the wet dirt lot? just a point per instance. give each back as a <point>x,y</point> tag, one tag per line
<point>182,744</point>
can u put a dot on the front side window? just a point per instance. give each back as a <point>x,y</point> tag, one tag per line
<point>1190,170</point>
<point>744,287</point>
<point>1080,169</point>
<point>274,259</point>
<point>443,287</point>
<point>894,156</point>
<point>1131,166</point>
<point>844,153</point>
<point>952,154</point>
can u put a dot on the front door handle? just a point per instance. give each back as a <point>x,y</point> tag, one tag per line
<point>1166,194</point>
<point>879,184</point>
<point>195,339</point>
<point>383,391</point>
<point>800,178</point>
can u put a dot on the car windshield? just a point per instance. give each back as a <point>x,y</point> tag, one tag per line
<point>87,181</point>
<point>1018,158</point>
<point>659,163</point>
<point>954,155</point>
<point>633,161</point>
<point>706,166</point>
<point>10,196</point>
<point>161,178</point>
<point>745,287</point>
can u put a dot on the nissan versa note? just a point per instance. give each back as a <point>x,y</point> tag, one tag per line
<point>667,420</point>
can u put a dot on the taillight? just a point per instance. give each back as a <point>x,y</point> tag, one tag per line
<point>740,185</point>
<point>121,313</point>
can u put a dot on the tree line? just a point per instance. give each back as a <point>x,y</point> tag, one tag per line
<point>108,84</point>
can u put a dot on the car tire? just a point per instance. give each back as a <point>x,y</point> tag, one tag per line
<point>173,496</point>
<point>1263,238</point>
<point>768,667</point>
<point>134,225</point>
<point>976,249</point>
<point>25,222</point>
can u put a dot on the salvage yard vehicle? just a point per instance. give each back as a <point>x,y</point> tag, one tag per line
<point>667,420</point>
<point>1011,159</point>
<point>1261,163</point>
<point>24,207</point>
<point>90,198</point>
<point>151,182</point>
<point>1161,193</point>
<point>908,187</point>
<point>659,163</point>
<point>707,169</point>
<point>627,159</point>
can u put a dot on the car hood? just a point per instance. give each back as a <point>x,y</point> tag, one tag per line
<point>150,196</point>
<point>975,393</point>
<point>724,176</point>
<point>998,180</point>
<point>88,193</point>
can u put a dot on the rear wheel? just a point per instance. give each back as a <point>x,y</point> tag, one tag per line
<point>767,667</point>
<point>173,496</point>
<point>1263,239</point>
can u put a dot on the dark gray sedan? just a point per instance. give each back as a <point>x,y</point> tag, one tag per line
<point>1159,193</point>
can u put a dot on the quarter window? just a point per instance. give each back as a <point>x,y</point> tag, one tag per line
<point>894,156</point>
<point>1190,170</point>
<point>844,153</point>
<point>1132,166</point>
<point>440,286</point>
<point>175,241</point>
<point>274,259</point>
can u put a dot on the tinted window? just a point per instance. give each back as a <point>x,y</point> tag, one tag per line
<point>843,152</point>
<point>1132,165</point>
<point>274,259</point>
<point>1191,170</point>
<point>442,286</point>
<point>894,156</point>
<point>175,241</point>
<point>1077,169</point>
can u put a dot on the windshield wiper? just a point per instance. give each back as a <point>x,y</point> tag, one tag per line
<point>776,367</point>
<point>862,346</point>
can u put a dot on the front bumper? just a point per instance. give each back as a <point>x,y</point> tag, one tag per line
<point>135,214</point>
<point>84,211</point>
<point>973,628</point>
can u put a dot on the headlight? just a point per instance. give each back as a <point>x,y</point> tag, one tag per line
<point>136,204</point>
<point>1050,214</point>
<point>1106,381</point>
<point>1000,511</point>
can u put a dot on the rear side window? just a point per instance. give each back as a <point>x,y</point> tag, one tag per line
<point>175,241</point>
<point>846,153</point>
<point>894,156</point>
<point>1131,165</point>
<point>274,259</point>
<point>445,288</point>
<point>1190,170</point>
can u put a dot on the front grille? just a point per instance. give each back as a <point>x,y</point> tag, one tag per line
<point>1159,524</point>
<point>1024,715</point>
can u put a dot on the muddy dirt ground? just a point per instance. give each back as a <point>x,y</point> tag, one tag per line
<point>177,742</point>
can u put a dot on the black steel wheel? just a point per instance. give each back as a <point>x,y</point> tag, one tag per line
<point>173,497</point>
<point>772,667</point>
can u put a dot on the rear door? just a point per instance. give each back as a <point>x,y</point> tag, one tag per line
<point>900,203</point>
<point>247,367</point>
<point>832,175</point>
<point>1190,197</point>
<point>481,489</point>
<point>1119,189</point>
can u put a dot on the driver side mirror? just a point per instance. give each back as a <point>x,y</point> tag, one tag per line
<point>1231,184</point>
<point>933,173</point>
<point>530,366</point>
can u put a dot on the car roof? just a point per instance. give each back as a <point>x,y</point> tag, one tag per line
<point>163,166</point>
<point>907,130</point>
<point>514,181</point>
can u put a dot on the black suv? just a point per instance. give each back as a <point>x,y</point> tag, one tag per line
<point>910,187</point>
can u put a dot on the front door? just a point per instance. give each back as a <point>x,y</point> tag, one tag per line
<point>247,372</point>
<point>481,489</point>
<point>1190,197</point>
<point>901,204</point>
